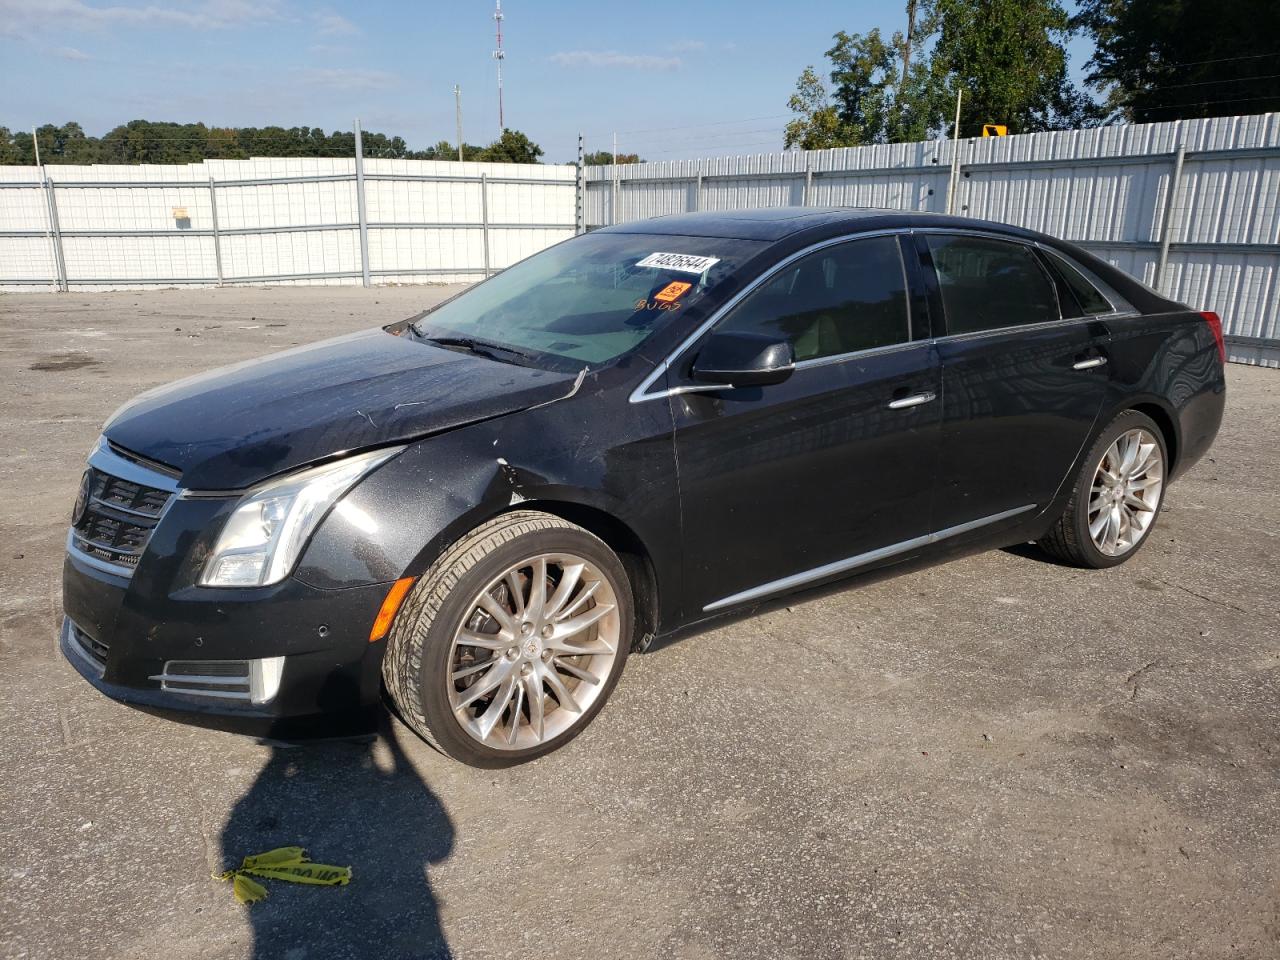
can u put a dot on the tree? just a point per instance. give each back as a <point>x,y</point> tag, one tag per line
<point>1168,59</point>
<point>818,126</point>
<point>512,147</point>
<point>149,141</point>
<point>1009,58</point>
<point>600,158</point>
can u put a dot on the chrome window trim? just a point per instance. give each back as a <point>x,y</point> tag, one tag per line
<point>815,574</point>
<point>641,393</point>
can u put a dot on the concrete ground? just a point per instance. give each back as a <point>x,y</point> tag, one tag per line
<point>995,758</point>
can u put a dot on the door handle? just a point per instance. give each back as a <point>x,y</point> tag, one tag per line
<point>912,401</point>
<point>1089,364</point>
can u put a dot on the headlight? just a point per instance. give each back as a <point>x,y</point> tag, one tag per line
<point>265,535</point>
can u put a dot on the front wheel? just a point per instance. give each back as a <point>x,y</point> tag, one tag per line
<point>513,640</point>
<point>1117,495</point>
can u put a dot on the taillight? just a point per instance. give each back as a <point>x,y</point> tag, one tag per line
<point>1215,324</point>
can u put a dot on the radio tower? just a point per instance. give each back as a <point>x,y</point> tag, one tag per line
<point>499,55</point>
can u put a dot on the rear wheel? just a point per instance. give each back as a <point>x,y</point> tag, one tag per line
<point>1117,496</point>
<point>513,640</point>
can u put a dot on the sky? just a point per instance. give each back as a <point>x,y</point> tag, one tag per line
<point>673,79</point>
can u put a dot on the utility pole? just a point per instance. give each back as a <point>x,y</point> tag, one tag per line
<point>457,109</point>
<point>613,200</point>
<point>579,192</point>
<point>500,55</point>
<point>35,142</point>
<point>953,182</point>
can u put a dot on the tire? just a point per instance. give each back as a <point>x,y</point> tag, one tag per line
<point>448,642</point>
<point>1072,538</point>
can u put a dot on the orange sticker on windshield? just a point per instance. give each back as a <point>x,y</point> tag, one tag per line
<point>672,292</point>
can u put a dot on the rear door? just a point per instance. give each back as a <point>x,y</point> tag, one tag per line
<point>1022,383</point>
<point>782,484</point>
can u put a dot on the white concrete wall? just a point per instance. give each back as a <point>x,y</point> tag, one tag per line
<point>419,229</point>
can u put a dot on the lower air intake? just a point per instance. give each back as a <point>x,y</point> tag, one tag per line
<point>252,681</point>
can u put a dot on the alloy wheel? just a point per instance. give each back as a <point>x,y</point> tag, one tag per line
<point>1126,490</point>
<point>533,652</point>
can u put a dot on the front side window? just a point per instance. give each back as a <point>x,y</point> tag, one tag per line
<point>844,298</point>
<point>589,299</point>
<point>990,284</point>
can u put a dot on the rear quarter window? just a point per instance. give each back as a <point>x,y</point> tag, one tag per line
<point>1080,298</point>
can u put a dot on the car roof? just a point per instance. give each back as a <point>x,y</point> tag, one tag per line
<point>778,223</point>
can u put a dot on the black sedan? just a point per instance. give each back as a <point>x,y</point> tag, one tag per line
<point>478,513</point>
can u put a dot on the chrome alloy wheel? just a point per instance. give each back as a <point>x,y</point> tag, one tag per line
<point>1126,492</point>
<point>534,651</point>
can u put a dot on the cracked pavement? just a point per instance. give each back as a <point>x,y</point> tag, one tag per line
<point>994,758</point>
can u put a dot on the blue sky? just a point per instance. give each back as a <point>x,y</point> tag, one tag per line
<point>674,79</point>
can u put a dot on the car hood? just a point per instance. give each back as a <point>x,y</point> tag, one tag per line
<point>232,427</point>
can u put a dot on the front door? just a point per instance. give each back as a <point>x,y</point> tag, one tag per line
<point>1022,386</point>
<point>799,482</point>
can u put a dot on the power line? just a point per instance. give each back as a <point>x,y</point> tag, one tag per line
<point>1199,63</point>
<point>1206,83</point>
<point>1201,103</point>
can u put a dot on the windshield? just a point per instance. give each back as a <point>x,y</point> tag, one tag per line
<point>589,299</point>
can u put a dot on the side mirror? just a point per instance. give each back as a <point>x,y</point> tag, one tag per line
<point>744,360</point>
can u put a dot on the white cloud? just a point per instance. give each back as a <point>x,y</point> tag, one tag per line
<point>346,78</point>
<point>70,53</point>
<point>15,15</point>
<point>612,58</point>
<point>330,24</point>
<point>687,46</point>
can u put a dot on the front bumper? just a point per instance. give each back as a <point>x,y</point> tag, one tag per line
<point>120,636</point>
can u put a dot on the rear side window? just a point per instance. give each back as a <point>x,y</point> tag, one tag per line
<point>845,298</point>
<point>990,284</point>
<point>1088,298</point>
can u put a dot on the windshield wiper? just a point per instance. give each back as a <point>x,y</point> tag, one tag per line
<point>483,348</point>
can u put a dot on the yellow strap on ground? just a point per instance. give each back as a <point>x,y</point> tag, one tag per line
<point>248,890</point>
<point>275,857</point>
<point>317,873</point>
<point>284,863</point>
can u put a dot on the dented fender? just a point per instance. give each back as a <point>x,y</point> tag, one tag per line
<point>573,454</point>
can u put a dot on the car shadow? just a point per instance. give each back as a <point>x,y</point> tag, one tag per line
<point>1030,551</point>
<point>349,803</point>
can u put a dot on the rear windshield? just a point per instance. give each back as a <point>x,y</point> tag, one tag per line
<point>590,299</point>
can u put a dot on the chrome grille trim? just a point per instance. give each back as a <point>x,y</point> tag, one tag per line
<point>127,501</point>
<point>179,677</point>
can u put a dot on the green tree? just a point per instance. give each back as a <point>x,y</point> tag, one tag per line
<point>1009,58</point>
<point>149,141</point>
<point>444,150</point>
<point>872,99</point>
<point>1168,59</point>
<point>601,158</point>
<point>817,125</point>
<point>512,147</point>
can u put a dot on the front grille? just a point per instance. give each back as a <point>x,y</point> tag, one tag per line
<point>95,650</point>
<point>118,518</point>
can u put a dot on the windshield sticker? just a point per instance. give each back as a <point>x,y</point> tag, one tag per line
<point>673,291</point>
<point>681,262</point>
